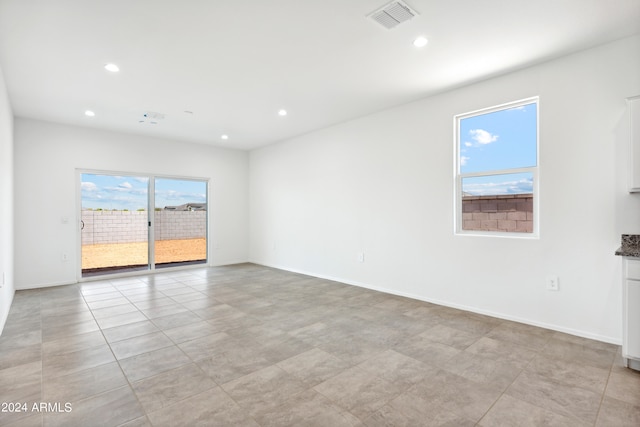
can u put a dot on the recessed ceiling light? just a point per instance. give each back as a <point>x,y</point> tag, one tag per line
<point>112,67</point>
<point>225,137</point>
<point>420,41</point>
<point>89,113</point>
<point>282,112</point>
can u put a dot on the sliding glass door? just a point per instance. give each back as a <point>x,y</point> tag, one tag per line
<point>114,223</point>
<point>180,226</point>
<point>121,233</point>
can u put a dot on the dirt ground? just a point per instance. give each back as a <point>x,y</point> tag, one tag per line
<point>126,254</point>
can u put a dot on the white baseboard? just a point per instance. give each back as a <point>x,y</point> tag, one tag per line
<point>570,331</point>
<point>228,262</point>
<point>44,285</point>
<point>126,274</point>
<point>3,320</point>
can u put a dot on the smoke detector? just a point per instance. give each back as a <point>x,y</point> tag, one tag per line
<point>392,14</point>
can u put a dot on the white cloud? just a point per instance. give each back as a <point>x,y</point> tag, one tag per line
<point>125,187</point>
<point>170,195</point>
<point>468,144</point>
<point>521,186</point>
<point>481,136</point>
<point>463,160</point>
<point>88,186</point>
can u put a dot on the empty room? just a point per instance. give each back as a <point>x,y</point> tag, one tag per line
<point>320,213</point>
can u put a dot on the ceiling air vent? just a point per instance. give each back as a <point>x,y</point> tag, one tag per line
<point>392,14</point>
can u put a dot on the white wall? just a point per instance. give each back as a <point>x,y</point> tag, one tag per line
<point>6,204</point>
<point>47,157</point>
<point>383,185</point>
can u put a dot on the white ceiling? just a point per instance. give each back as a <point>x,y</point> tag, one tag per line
<point>235,63</point>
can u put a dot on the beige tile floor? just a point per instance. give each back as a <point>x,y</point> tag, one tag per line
<point>247,345</point>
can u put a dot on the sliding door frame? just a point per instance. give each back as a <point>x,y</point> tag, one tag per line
<point>150,221</point>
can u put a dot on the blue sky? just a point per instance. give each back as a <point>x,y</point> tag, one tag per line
<point>504,139</point>
<point>130,192</point>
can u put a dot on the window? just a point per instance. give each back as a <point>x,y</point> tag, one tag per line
<point>497,170</point>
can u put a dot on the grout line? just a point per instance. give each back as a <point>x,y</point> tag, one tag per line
<point>117,361</point>
<point>604,390</point>
<point>41,359</point>
<point>146,414</point>
<point>244,282</point>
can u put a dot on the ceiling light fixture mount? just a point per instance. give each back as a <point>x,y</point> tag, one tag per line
<point>420,41</point>
<point>225,137</point>
<point>112,68</point>
<point>89,113</point>
<point>282,112</point>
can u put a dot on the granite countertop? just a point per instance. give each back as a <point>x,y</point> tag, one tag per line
<point>630,246</point>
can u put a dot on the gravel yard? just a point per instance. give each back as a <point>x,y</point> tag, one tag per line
<point>130,254</point>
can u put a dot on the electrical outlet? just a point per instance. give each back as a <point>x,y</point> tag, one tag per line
<point>65,257</point>
<point>360,256</point>
<point>552,283</point>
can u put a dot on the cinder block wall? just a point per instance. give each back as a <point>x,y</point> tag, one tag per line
<point>171,225</point>
<point>498,213</point>
<point>131,226</point>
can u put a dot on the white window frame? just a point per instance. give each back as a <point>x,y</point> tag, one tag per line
<point>534,170</point>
